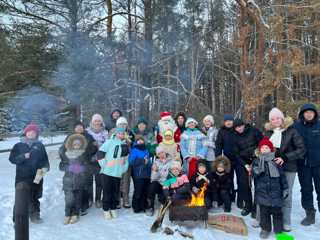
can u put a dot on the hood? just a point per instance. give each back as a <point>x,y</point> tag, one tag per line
<point>225,161</point>
<point>306,107</point>
<point>288,122</point>
<point>115,110</point>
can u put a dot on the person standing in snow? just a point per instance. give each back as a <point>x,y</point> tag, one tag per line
<point>309,167</point>
<point>113,160</point>
<point>112,121</point>
<point>180,120</point>
<point>31,160</point>
<point>289,149</point>
<point>211,132</point>
<point>100,135</point>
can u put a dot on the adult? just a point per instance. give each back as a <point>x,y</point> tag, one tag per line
<point>111,122</point>
<point>180,120</point>
<point>246,142</point>
<point>165,123</point>
<point>289,149</point>
<point>97,130</point>
<point>309,167</point>
<point>211,132</point>
<point>31,160</point>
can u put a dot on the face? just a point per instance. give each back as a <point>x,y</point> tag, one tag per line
<point>79,129</point>
<point>175,171</point>
<point>265,149</point>
<point>207,123</point>
<point>115,115</point>
<point>76,145</point>
<point>180,120</point>
<point>192,125</point>
<point>31,134</point>
<point>202,169</point>
<point>309,115</point>
<point>168,137</point>
<point>140,141</point>
<point>276,122</point>
<point>228,124</point>
<point>240,129</point>
<point>121,135</point>
<point>220,168</point>
<point>97,124</point>
<point>162,155</point>
<point>142,127</point>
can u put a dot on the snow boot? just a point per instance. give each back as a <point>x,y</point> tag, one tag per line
<point>84,212</point>
<point>35,218</point>
<point>126,205</point>
<point>245,212</point>
<point>150,212</point>
<point>264,234</point>
<point>107,215</point>
<point>310,218</point>
<point>114,214</point>
<point>67,220</point>
<point>74,219</point>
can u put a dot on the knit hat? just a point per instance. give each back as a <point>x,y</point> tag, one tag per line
<point>275,112</point>
<point>31,127</point>
<point>228,117</point>
<point>97,117</point>
<point>121,120</point>
<point>190,120</point>
<point>165,115</point>
<point>208,118</point>
<point>120,130</point>
<point>176,164</point>
<point>238,122</point>
<point>266,142</point>
<point>142,120</point>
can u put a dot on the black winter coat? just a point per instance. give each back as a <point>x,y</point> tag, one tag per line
<point>26,169</point>
<point>246,144</point>
<point>269,191</point>
<point>310,132</point>
<point>292,147</point>
<point>222,182</point>
<point>199,184</point>
<point>225,143</point>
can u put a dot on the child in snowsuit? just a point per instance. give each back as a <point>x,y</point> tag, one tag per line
<point>31,160</point>
<point>170,146</point>
<point>222,182</point>
<point>140,162</point>
<point>160,171</point>
<point>271,188</point>
<point>74,162</point>
<point>199,179</point>
<point>177,186</point>
<point>113,160</point>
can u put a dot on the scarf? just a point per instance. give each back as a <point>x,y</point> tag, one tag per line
<point>29,141</point>
<point>273,168</point>
<point>203,176</point>
<point>276,137</point>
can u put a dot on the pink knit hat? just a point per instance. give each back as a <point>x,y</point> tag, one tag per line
<point>275,112</point>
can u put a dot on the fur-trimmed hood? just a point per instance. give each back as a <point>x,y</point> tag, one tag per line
<point>225,161</point>
<point>288,122</point>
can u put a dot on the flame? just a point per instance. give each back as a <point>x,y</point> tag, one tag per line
<point>197,200</point>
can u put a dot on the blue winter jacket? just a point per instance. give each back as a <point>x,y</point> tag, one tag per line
<point>193,144</point>
<point>137,161</point>
<point>310,132</point>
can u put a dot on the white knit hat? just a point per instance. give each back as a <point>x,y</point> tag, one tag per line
<point>208,118</point>
<point>121,120</point>
<point>275,112</point>
<point>97,117</point>
<point>190,120</point>
<point>175,164</point>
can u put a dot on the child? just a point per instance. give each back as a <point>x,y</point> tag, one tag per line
<point>222,182</point>
<point>160,170</point>
<point>140,163</point>
<point>113,155</point>
<point>74,161</point>
<point>31,159</point>
<point>192,146</point>
<point>170,146</point>
<point>271,188</point>
<point>177,186</point>
<point>199,179</point>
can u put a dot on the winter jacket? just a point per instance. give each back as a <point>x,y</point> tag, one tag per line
<point>162,170</point>
<point>178,189</point>
<point>210,142</point>
<point>246,144</point>
<point>74,164</point>
<point>222,181</point>
<point>200,183</point>
<point>115,161</point>
<point>192,144</point>
<point>269,191</point>
<point>26,169</point>
<point>225,143</point>
<point>292,147</point>
<point>171,150</point>
<point>310,132</point>
<point>111,123</point>
<point>149,139</point>
<point>137,158</point>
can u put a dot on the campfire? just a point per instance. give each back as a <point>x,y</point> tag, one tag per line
<point>197,200</point>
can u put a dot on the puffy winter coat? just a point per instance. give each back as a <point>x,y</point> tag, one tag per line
<point>192,144</point>
<point>246,144</point>
<point>171,150</point>
<point>149,139</point>
<point>26,169</point>
<point>210,142</point>
<point>200,183</point>
<point>137,159</point>
<point>292,147</point>
<point>310,132</point>
<point>225,143</point>
<point>269,190</point>
<point>222,181</point>
<point>162,170</point>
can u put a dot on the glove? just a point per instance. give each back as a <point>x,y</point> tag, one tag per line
<point>38,176</point>
<point>285,194</point>
<point>195,190</point>
<point>75,168</point>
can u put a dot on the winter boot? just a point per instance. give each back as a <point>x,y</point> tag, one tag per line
<point>287,228</point>
<point>35,218</point>
<point>114,214</point>
<point>66,220</point>
<point>126,205</point>
<point>74,219</point>
<point>84,212</point>
<point>150,212</point>
<point>245,212</point>
<point>264,234</point>
<point>310,218</point>
<point>107,215</point>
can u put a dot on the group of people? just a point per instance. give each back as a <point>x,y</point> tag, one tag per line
<point>179,158</point>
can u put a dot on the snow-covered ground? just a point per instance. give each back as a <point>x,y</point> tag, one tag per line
<point>126,226</point>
